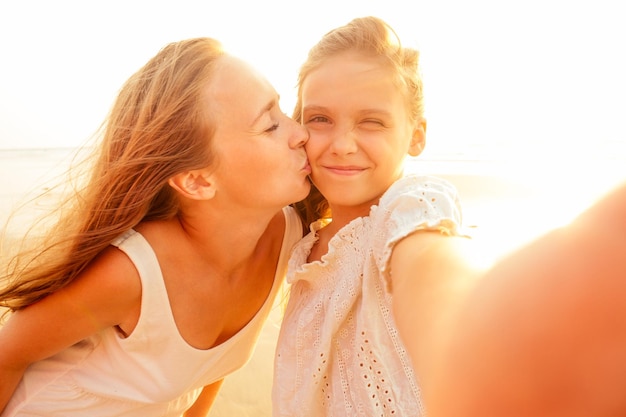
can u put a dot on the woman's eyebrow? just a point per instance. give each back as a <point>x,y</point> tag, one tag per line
<point>273,102</point>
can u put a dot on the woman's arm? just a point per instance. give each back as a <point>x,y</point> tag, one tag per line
<point>106,294</point>
<point>205,401</point>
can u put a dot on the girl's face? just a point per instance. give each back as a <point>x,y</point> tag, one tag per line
<point>260,156</point>
<point>360,130</point>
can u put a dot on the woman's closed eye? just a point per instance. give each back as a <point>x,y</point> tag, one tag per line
<point>272,128</point>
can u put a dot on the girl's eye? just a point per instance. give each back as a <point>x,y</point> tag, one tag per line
<point>317,119</point>
<point>373,122</point>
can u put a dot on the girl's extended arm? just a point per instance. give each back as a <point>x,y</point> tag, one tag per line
<point>107,293</point>
<point>431,274</point>
<point>544,332</point>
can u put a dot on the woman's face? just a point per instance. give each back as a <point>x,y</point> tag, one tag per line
<point>260,157</point>
<point>360,130</point>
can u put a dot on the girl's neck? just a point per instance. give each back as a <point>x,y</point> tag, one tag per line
<point>342,215</point>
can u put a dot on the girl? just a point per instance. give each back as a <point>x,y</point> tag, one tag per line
<point>158,281</point>
<point>382,252</point>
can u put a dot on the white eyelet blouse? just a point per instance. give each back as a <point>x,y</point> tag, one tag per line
<point>339,352</point>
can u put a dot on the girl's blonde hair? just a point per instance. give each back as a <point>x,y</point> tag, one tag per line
<point>158,127</point>
<point>373,37</point>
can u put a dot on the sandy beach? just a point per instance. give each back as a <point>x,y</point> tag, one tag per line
<point>504,206</point>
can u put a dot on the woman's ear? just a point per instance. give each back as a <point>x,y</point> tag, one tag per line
<point>418,140</point>
<point>196,184</point>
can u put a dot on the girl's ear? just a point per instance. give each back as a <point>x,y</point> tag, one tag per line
<point>196,184</point>
<point>418,141</point>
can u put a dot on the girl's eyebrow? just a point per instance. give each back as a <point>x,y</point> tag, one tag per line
<point>322,109</point>
<point>379,112</point>
<point>314,108</point>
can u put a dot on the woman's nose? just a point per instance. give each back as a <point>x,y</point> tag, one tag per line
<point>300,135</point>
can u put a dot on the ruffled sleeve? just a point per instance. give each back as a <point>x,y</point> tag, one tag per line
<point>412,203</point>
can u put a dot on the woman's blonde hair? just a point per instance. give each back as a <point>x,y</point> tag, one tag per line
<point>373,37</point>
<point>158,127</point>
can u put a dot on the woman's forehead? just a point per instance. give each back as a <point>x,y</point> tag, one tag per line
<point>236,86</point>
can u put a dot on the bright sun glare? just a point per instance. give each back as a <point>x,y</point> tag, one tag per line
<point>525,97</point>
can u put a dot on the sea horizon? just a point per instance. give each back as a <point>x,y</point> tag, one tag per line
<point>526,195</point>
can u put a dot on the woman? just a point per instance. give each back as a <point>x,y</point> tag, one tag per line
<point>155,285</point>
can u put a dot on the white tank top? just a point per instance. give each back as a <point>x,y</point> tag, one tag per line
<point>152,372</point>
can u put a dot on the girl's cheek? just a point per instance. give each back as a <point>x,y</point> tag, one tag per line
<point>313,144</point>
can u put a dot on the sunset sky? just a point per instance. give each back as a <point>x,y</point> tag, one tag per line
<point>539,76</point>
<point>535,90</point>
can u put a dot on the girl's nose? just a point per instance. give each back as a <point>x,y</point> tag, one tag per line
<point>344,141</point>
